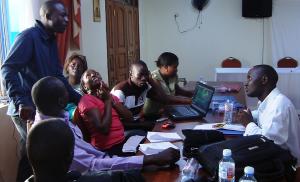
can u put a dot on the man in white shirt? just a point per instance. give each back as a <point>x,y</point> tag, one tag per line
<point>276,117</point>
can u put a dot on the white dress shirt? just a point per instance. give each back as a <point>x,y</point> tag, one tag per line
<point>277,119</point>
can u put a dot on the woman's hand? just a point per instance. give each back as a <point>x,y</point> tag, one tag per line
<point>103,92</point>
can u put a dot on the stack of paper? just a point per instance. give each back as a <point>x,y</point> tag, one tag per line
<point>235,127</point>
<point>163,137</point>
<point>205,126</point>
<point>132,143</point>
<point>229,129</point>
<point>154,148</point>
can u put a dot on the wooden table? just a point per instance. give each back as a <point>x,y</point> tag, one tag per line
<point>173,173</point>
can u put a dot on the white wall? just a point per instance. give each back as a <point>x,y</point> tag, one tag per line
<point>223,33</point>
<point>285,29</point>
<point>93,39</point>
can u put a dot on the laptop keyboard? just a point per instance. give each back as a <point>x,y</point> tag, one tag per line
<point>185,111</point>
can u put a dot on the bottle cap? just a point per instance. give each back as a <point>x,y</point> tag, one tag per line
<point>226,152</point>
<point>249,170</point>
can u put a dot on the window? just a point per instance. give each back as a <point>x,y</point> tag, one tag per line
<point>12,13</point>
<point>17,10</point>
<point>4,32</point>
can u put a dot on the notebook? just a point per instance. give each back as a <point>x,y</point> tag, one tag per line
<point>162,137</point>
<point>154,148</point>
<point>199,107</point>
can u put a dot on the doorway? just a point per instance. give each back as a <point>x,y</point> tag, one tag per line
<point>123,43</point>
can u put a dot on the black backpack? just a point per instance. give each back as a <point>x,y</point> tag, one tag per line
<point>196,138</point>
<point>270,161</point>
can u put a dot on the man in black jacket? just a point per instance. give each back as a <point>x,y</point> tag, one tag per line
<point>33,56</point>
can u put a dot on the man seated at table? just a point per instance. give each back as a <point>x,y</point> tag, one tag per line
<point>51,155</point>
<point>133,92</point>
<point>276,117</point>
<point>50,97</point>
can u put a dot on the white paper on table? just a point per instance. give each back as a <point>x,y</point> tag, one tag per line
<point>132,143</point>
<point>163,137</point>
<point>210,126</point>
<point>235,127</point>
<point>154,148</point>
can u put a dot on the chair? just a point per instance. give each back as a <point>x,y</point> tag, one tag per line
<point>287,62</point>
<point>231,62</point>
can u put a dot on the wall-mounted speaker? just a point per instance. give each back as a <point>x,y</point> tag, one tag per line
<point>257,8</point>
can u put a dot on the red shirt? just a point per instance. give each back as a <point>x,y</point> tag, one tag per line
<point>116,133</point>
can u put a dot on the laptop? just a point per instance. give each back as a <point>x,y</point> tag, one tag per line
<point>199,107</point>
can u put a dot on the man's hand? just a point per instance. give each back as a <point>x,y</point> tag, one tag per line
<point>26,112</point>
<point>166,157</point>
<point>244,117</point>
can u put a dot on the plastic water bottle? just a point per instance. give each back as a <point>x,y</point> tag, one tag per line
<point>201,80</point>
<point>249,175</point>
<point>226,167</point>
<point>228,111</point>
<point>190,170</point>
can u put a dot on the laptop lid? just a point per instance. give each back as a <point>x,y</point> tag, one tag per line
<point>202,98</point>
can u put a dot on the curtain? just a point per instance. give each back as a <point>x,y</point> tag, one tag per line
<point>76,23</point>
<point>4,31</point>
<point>63,38</point>
<point>285,30</point>
<point>72,34</point>
<point>4,38</point>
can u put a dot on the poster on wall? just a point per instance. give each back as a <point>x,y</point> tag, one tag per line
<point>96,11</point>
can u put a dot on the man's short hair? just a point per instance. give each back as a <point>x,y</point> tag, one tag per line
<point>48,6</point>
<point>167,59</point>
<point>138,63</point>
<point>50,147</point>
<point>269,71</point>
<point>46,92</point>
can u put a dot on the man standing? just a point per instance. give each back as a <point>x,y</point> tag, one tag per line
<point>34,55</point>
<point>276,117</point>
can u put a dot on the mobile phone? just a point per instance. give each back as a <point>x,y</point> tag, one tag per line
<point>162,119</point>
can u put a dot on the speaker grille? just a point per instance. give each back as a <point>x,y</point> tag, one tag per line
<point>257,8</point>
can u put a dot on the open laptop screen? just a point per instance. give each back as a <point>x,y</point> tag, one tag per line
<point>202,98</point>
